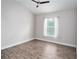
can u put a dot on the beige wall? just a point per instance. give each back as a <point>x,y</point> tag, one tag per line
<point>16,23</point>
<point>66,30</point>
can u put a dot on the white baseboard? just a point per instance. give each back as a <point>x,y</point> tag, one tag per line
<point>38,39</point>
<point>65,44</point>
<point>15,44</point>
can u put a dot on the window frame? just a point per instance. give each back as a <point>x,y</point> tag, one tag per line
<point>55,27</point>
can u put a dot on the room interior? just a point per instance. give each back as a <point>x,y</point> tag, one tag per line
<point>38,29</point>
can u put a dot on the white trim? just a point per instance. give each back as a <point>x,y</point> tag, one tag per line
<point>15,44</point>
<point>55,19</point>
<point>65,44</point>
<point>37,39</point>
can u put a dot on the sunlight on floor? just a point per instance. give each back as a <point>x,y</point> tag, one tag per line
<point>48,54</point>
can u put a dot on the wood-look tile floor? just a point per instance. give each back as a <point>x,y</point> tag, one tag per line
<point>37,49</point>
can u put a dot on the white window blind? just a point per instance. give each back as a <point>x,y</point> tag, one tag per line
<point>51,27</point>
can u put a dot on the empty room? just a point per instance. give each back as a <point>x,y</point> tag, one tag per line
<point>38,29</point>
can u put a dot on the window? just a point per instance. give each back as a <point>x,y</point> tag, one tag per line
<point>51,27</point>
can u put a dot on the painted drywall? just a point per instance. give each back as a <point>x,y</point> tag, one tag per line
<point>67,21</point>
<point>16,23</point>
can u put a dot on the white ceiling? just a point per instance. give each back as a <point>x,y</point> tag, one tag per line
<point>54,5</point>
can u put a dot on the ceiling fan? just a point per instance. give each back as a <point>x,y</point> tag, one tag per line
<point>38,2</point>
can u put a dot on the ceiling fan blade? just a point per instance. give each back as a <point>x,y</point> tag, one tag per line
<point>34,1</point>
<point>44,2</point>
